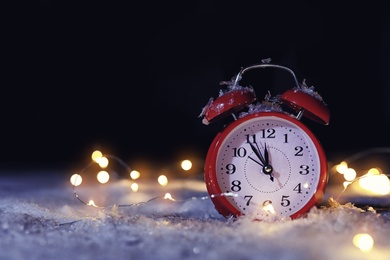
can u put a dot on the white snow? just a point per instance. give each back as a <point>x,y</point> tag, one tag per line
<point>40,218</point>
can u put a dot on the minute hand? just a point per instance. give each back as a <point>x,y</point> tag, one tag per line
<point>257,152</point>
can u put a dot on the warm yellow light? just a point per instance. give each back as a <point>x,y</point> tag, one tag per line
<point>134,187</point>
<point>346,184</point>
<point>168,196</point>
<point>342,167</point>
<point>373,171</point>
<point>162,180</point>
<point>363,241</point>
<point>378,184</point>
<point>186,165</point>
<point>103,177</point>
<point>135,174</point>
<point>102,161</point>
<point>349,174</point>
<point>76,179</point>
<point>92,203</point>
<point>96,154</point>
<point>267,206</point>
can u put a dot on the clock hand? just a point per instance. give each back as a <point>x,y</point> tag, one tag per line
<point>259,163</point>
<point>256,150</point>
<point>266,157</point>
<point>267,168</point>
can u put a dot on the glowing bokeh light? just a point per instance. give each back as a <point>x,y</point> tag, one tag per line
<point>102,161</point>
<point>342,167</point>
<point>267,206</point>
<point>168,196</point>
<point>346,184</point>
<point>349,174</point>
<point>373,171</point>
<point>96,154</point>
<point>76,179</point>
<point>186,165</point>
<point>134,187</point>
<point>162,180</point>
<point>103,177</point>
<point>135,174</point>
<point>92,203</point>
<point>378,184</point>
<point>363,241</point>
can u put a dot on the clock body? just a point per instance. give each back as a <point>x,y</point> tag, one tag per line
<point>265,163</point>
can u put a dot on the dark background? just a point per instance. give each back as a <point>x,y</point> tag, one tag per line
<point>132,78</point>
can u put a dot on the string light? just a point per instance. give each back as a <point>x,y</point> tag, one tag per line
<point>186,165</point>
<point>162,180</point>
<point>267,206</point>
<point>102,161</point>
<point>76,179</point>
<point>363,241</point>
<point>381,184</point>
<point>135,174</point>
<point>103,177</point>
<point>372,182</point>
<point>96,154</point>
<point>134,187</point>
<point>375,182</point>
<point>92,203</point>
<point>168,196</point>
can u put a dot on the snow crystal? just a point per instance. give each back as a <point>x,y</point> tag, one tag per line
<point>43,220</point>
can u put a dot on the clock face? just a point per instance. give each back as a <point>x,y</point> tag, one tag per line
<point>270,162</point>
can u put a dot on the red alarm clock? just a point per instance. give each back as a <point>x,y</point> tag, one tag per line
<point>266,161</point>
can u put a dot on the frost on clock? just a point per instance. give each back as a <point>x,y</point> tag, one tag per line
<point>309,90</point>
<point>269,104</point>
<point>222,92</point>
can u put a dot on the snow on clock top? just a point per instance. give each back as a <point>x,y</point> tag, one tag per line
<point>233,99</point>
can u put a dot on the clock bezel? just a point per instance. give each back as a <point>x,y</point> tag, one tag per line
<point>222,205</point>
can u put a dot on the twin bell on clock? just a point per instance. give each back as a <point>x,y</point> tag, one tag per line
<point>265,162</point>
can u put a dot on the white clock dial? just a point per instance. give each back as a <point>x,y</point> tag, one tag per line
<point>268,160</point>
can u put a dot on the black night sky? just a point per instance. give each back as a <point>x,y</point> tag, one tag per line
<point>131,78</point>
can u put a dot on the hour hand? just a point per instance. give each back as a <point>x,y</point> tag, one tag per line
<point>267,169</point>
<point>266,156</point>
